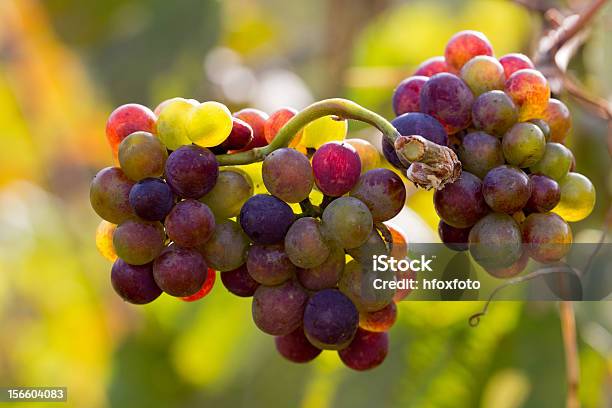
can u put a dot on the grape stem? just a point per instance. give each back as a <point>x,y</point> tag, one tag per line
<point>436,172</point>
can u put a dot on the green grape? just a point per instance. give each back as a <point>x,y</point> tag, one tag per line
<point>233,188</point>
<point>524,145</point>
<point>323,130</point>
<point>357,283</point>
<point>172,123</point>
<point>347,221</point>
<point>304,243</point>
<point>374,246</point>
<point>483,73</point>
<point>555,163</point>
<point>495,241</point>
<point>142,155</point>
<point>577,197</point>
<point>209,124</point>
<point>227,248</point>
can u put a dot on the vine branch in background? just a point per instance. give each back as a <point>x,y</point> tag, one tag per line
<point>568,331</point>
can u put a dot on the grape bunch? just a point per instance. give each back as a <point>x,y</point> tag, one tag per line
<point>173,219</point>
<point>518,189</point>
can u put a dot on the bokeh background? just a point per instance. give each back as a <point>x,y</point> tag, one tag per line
<point>65,64</point>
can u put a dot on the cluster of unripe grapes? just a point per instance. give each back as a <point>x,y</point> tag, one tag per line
<point>518,188</point>
<point>174,218</point>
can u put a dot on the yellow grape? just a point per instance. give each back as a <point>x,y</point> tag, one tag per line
<point>209,124</point>
<point>172,123</point>
<point>323,130</point>
<point>577,197</point>
<point>370,158</point>
<point>104,240</point>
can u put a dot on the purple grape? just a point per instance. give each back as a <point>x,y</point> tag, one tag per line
<point>461,203</point>
<point>494,112</point>
<point>336,167</point>
<point>279,310</point>
<point>304,243</point>
<point>330,320</point>
<point>454,238</point>
<point>366,351</point>
<point>191,171</point>
<point>190,223</point>
<point>134,283</point>
<point>180,271</point>
<point>547,236</point>
<point>448,99</point>
<point>506,189</point>
<point>138,242</point>
<point>109,195</point>
<point>389,152</point>
<point>295,347</point>
<point>406,95</point>
<point>382,191</point>
<point>479,152</point>
<point>545,194</point>
<point>239,282</point>
<point>269,264</point>
<point>266,219</point>
<point>416,123</point>
<point>287,174</point>
<point>151,199</point>
<point>495,241</point>
<point>325,275</point>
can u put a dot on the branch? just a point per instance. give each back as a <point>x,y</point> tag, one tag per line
<point>568,331</point>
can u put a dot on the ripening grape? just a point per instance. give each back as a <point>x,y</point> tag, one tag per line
<point>172,123</point>
<point>295,347</point>
<point>336,167</point>
<point>279,310</point>
<point>207,286</point>
<point>127,119</point>
<point>347,221</point>
<point>109,195</point>
<point>138,242</point>
<point>227,248</point>
<point>266,219</point>
<point>287,174</point>
<point>494,113</point>
<point>506,189</point>
<point>104,240</point>
<point>483,73</point>
<point>232,189</point>
<point>240,136</point>
<point>366,351</point>
<point>134,283</point>
<point>256,119</point>
<point>325,275</point>
<point>304,243</point>
<point>461,204</point>
<point>512,270</point>
<point>454,238</point>
<point>479,152</point>
<point>543,127</point>
<point>374,245</point>
<point>276,121</point>
<point>151,199</point>
<point>555,163</point>
<point>209,124</point>
<point>547,236</point>
<point>513,62</point>
<point>558,117</point>
<point>379,321</point>
<point>191,171</point>
<point>529,90</point>
<point>523,145</point>
<point>406,95</point>
<point>142,155</point>
<point>577,197</point>
<point>368,154</point>
<point>465,45</point>
<point>357,283</point>
<point>448,99</point>
<point>495,241</point>
<point>239,282</point>
<point>269,264</point>
<point>432,66</point>
<point>180,271</point>
<point>399,242</point>
<point>323,130</point>
<point>190,223</point>
<point>382,191</point>
<point>330,320</point>
<point>545,194</point>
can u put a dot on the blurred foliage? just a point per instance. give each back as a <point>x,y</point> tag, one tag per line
<point>65,63</point>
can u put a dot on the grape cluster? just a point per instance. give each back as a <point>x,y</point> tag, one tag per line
<point>518,189</point>
<point>173,218</point>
